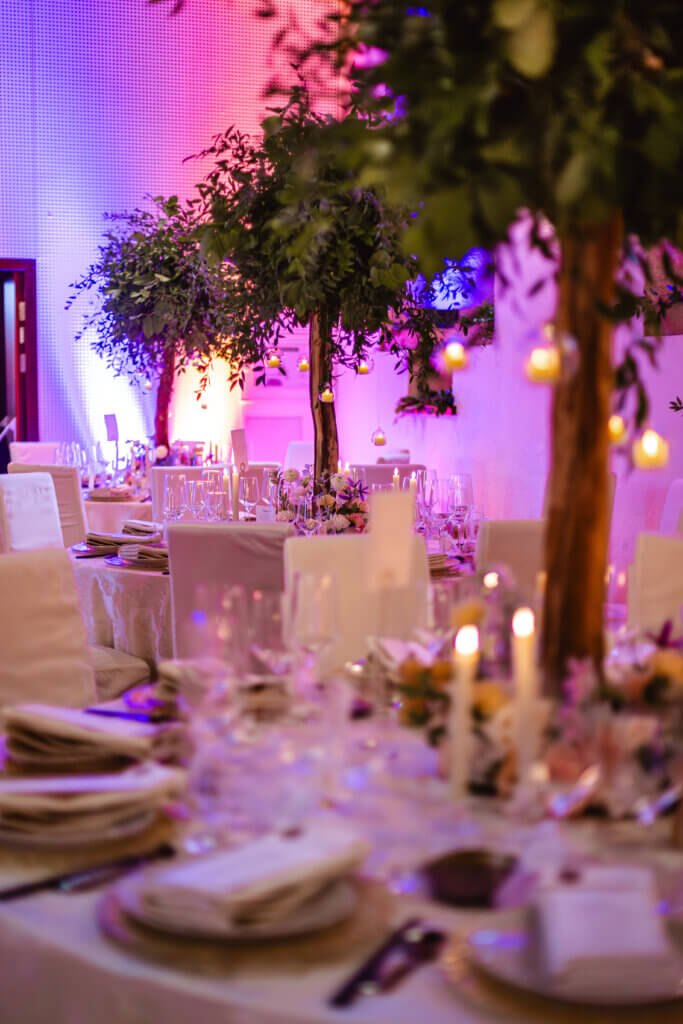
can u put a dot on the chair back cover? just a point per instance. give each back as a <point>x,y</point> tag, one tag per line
<point>655,583</point>
<point>159,474</point>
<point>375,473</point>
<point>67,483</point>
<point>362,611</point>
<point>34,453</point>
<point>220,555</point>
<point>672,514</point>
<point>299,454</point>
<point>516,544</point>
<point>45,654</point>
<point>29,516</point>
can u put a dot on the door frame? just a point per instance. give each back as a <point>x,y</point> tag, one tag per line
<point>26,347</point>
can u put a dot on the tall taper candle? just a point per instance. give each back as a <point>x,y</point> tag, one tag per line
<point>235,494</point>
<point>466,656</point>
<point>524,670</point>
<point>396,480</point>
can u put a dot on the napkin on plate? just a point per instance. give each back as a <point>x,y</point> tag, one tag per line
<point>257,884</point>
<point>145,556</point>
<point>142,528</point>
<point>108,543</point>
<point>44,736</point>
<point>116,493</point>
<point>88,805</point>
<point>601,937</point>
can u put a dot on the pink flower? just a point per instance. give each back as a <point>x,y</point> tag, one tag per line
<point>358,521</point>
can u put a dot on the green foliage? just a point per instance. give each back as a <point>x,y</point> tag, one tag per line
<point>677,404</point>
<point>155,294</point>
<point>301,239</point>
<point>430,401</point>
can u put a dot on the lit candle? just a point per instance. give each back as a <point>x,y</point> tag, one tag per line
<point>524,670</point>
<point>339,467</point>
<point>395,480</point>
<point>326,395</point>
<point>363,368</point>
<point>491,580</point>
<point>413,483</point>
<point>273,360</point>
<point>455,356</point>
<point>379,438</point>
<point>543,365</point>
<point>304,365</point>
<point>226,481</point>
<point>466,660</point>
<point>616,428</point>
<point>650,451</point>
<point>347,470</point>
<point>235,493</point>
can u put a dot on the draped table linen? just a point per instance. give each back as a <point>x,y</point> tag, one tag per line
<point>109,516</point>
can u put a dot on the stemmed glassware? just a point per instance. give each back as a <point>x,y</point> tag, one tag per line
<point>196,491</point>
<point>250,493</point>
<point>175,504</point>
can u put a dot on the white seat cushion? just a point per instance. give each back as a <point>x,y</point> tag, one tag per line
<point>116,671</point>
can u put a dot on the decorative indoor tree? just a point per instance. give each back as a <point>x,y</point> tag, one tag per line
<point>572,113</point>
<point>160,307</point>
<point>305,248</point>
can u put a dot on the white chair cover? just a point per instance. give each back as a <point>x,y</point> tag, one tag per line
<point>655,583</point>
<point>363,612</point>
<point>299,455</point>
<point>220,555</point>
<point>34,453</point>
<point>29,516</point>
<point>672,514</point>
<point>516,544</point>
<point>67,482</point>
<point>384,473</point>
<point>45,654</point>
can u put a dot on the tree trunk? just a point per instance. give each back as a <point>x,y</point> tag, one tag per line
<point>324,418</point>
<point>577,538</point>
<point>164,392</point>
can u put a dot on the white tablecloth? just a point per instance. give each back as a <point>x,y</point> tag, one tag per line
<point>129,609</point>
<point>109,516</point>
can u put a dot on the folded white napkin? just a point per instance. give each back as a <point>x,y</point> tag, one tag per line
<point>602,939</point>
<point>85,804</point>
<point>142,528</point>
<point>119,493</point>
<point>106,540</point>
<point>258,883</point>
<point>146,556</point>
<point>43,733</point>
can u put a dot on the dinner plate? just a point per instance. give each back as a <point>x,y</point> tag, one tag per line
<point>132,826</point>
<point>508,952</point>
<point>84,550</point>
<point>336,902</point>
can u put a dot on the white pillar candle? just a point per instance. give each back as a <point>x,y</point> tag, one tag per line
<point>347,470</point>
<point>466,657</point>
<point>339,467</point>
<point>235,494</point>
<point>396,480</point>
<point>413,483</point>
<point>524,670</point>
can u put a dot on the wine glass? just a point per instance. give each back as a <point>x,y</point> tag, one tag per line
<point>269,641</point>
<point>216,506</point>
<point>312,616</point>
<point>250,494</point>
<point>196,491</point>
<point>174,506</point>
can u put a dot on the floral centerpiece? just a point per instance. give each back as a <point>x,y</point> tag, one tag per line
<point>335,503</point>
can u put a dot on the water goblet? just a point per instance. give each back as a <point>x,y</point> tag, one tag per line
<point>250,493</point>
<point>174,505</point>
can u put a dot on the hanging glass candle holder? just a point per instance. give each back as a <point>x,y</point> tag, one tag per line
<point>365,366</point>
<point>326,394</point>
<point>455,356</point>
<point>616,427</point>
<point>303,365</point>
<point>544,365</point>
<point>650,450</point>
<point>148,385</point>
<point>378,437</point>
<point>273,359</point>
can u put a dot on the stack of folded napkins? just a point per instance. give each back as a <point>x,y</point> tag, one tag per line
<point>601,939</point>
<point>256,885</point>
<point>119,492</point>
<point>46,737</point>
<point>439,565</point>
<point>142,528</point>
<point>84,805</point>
<point>106,543</point>
<point>145,556</point>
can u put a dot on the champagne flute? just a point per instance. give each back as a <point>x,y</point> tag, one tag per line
<point>249,493</point>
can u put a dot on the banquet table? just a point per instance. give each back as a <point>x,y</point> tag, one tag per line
<point>109,516</point>
<point>129,609</point>
<point>56,965</point>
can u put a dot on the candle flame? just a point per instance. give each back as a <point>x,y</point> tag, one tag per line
<point>651,442</point>
<point>491,580</point>
<point>467,640</point>
<point>523,622</point>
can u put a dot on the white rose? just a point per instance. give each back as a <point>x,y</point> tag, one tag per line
<point>286,516</point>
<point>338,482</point>
<point>340,523</point>
<point>290,475</point>
<point>327,501</point>
<point>160,452</point>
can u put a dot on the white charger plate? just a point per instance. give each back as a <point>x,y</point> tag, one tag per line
<point>41,838</point>
<point>507,952</point>
<point>334,904</point>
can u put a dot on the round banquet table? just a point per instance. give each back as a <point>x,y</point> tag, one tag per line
<point>57,967</point>
<point>109,516</point>
<point>129,609</point>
